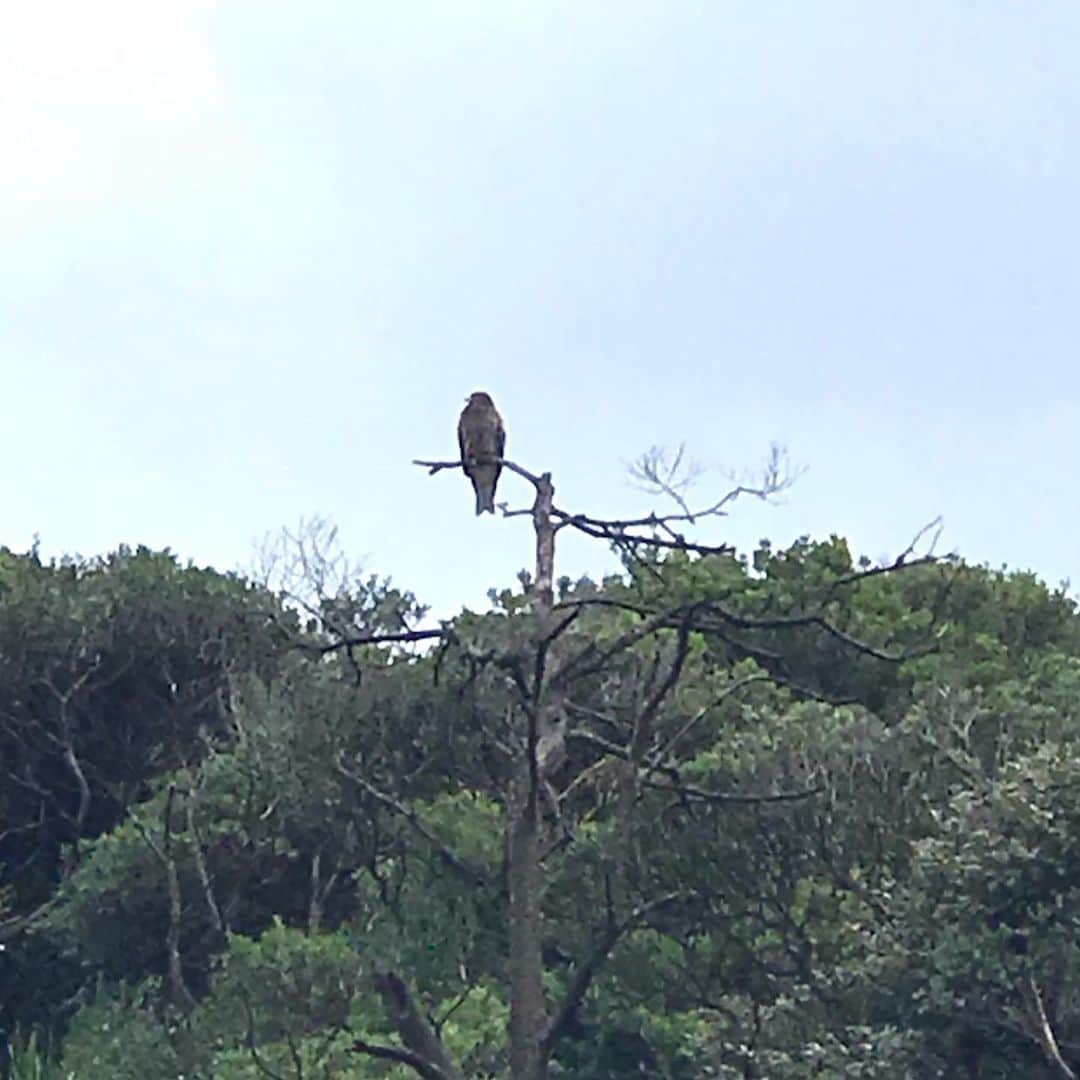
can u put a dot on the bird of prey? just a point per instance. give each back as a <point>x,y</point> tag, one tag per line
<point>481,438</point>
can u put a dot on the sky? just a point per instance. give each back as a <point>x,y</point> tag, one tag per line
<point>255,255</point>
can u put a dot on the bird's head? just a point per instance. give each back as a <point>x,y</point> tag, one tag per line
<point>480,397</point>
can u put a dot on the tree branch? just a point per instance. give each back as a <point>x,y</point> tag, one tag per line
<point>661,476</point>
<point>200,859</point>
<point>1044,1032</point>
<point>401,637</point>
<point>586,972</point>
<point>678,787</point>
<point>711,616</point>
<point>597,658</point>
<point>505,463</point>
<point>705,710</point>
<point>403,1057</point>
<point>424,1051</point>
<point>730,797</point>
<point>611,531</point>
<point>467,872</point>
<point>84,788</point>
<point>252,1045</point>
<point>181,993</point>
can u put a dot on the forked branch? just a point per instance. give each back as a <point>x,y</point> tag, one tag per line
<point>423,1051</point>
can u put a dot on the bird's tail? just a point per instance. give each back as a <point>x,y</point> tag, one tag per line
<point>485,500</point>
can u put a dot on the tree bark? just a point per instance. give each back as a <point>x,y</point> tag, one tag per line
<point>528,1009</point>
<point>545,542</point>
<point>528,1012</point>
<point>426,1052</point>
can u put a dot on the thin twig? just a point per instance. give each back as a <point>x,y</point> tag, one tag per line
<point>455,862</point>
<point>694,720</point>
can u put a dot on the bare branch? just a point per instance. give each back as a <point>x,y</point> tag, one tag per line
<point>421,1067</point>
<point>84,788</point>
<point>900,562</point>
<point>1044,1032</point>
<point>643,724</point>
<point>706,709</point>
<point>677,787</point>
<point>606,745</point>
<point>455,1005</point>
<point>306,565</point>
<point>619,532</point>
<point>616,533</point>
<point>402,637</point>
<point>937,525</point>
<point>424,1050</point>
<point>505,463</point>
<point>12,927</point>
<point>200,860</point>
<point>311,573</point>
<point>712,617</point>
<point>181,993</point>
<point>587,970</point>
<point>592,659</point>
<point>469,873</point>
<point>659,473</point>
<point>729,797</point>
<point>316,894</point>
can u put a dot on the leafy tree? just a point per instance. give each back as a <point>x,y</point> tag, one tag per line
<point>794,815</point>
<point>112,671</point>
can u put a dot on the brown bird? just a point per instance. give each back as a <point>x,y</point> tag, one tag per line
<point>481,437</point>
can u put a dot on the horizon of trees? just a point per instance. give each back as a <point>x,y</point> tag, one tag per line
<point>785,814</point>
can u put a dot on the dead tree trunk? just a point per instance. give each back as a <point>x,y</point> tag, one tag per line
<point>540,732</point>
<point>528,1009</point>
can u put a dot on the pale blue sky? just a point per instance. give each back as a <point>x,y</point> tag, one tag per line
<point>256,254</point>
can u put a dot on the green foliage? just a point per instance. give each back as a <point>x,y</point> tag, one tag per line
<point>284,985</point>
<point>29,1059</point>
<point>993,905</point>
<point>118,1035</point>
<point>827,862</point>
<point>113,672</point>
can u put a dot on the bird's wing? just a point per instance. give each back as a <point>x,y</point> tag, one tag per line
<point>500,435</point>
<point>463,438</point>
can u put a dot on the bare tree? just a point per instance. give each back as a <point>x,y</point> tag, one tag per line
<point>541,676</point>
